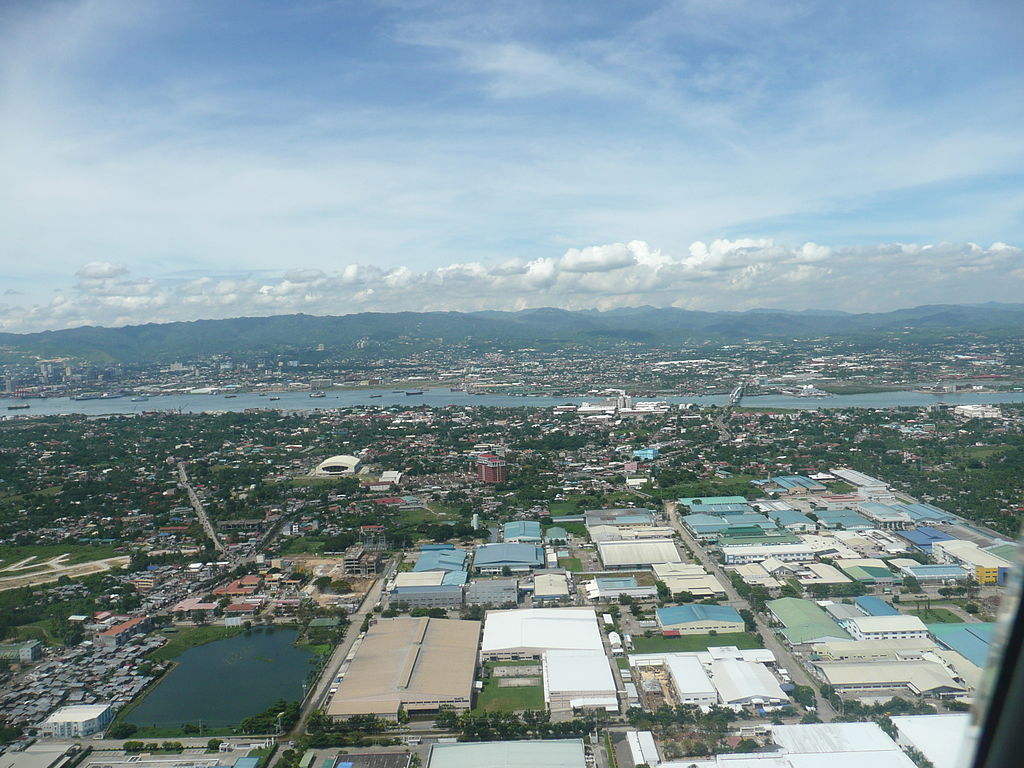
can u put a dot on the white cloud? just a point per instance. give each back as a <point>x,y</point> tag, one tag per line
<point>723,274</point>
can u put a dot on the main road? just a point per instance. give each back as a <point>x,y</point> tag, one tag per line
<point>771,640</point>
<point>197,505</point>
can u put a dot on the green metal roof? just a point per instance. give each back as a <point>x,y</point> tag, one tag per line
<point>804,621</point>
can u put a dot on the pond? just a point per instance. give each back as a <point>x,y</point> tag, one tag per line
<point>220,683</point>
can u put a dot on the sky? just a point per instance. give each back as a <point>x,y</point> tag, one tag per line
<point>179,160</point>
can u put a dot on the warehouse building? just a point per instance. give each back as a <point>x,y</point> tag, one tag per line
<point>755,575</point>
<point>688,577</point>
<point>930,573</point>
<point>627,516</point>
<point>440,596</point>
<point>690,681</point>
<point>695,619</point>
<point>804,622</point>
<point>634,554</point>
<point>528,633</point>
<point>744,683</point>
<point>607,589</point>
<point>841,745</point>
<point>415,665</point>
<point>496,592</point>
<point>842,519</point>
<point>549,753</point>
<point>874,650</point>
<point>522,532</point>
<point>868,570</point>
<point>922,538</point>
<point>740,554</point>
<point>885,627</point>
<point>920,677</point>
<point>870,605</point>
<point>575,680</point>
<point>517,558</point>
<point>942,739</point>
<point>986,567</point>
<point>719,675</point>
<point>549,587</point>
<point>972,641</point>
<point>77,721</point>
<point>441,558</point>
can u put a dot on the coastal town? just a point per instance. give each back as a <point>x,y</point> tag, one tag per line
<point>642,582</point>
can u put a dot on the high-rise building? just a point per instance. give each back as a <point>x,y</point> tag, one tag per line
<point>491,469</point>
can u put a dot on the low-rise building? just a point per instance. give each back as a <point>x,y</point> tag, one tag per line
<point>986,567</point>
<point>78,720</point>
<point>696,619</point>
<point>896,627</point>
<point>495,592</point>
<point>28,651</point>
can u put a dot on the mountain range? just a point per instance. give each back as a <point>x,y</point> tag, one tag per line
<point>643,325</point>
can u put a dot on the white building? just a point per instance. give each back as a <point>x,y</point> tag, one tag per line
<point>885,628</point>
<point>529,632</point>
<point>738,554</point>
<point>942,739</point>
<point>642,748</point>
<point>78,720</point>
<point>741,683</point>
<point>640,552</point>
<point>578,680</point>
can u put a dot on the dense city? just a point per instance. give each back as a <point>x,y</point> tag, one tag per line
<point>615,582</point>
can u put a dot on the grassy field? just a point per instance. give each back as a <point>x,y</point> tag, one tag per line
<point>571,564</point>
<point>936,616</point>
<point>659,643</point>
<point>579,530</point>
<point>497,699</point>
<point>78,553</point>
<point>190,637</point>
<point>303,545</point>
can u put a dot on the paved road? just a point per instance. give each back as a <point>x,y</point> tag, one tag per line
<point>784,656</point>
<point>197,505</point>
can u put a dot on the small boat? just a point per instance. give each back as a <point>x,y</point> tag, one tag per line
<point>261,394</point>
<point>140,399</point>
<point>228,397</point>
<point>275,398</point>
<point>18,407</point>
<point>318,394</point>
<point>414,392</point>
<point>377,395</point>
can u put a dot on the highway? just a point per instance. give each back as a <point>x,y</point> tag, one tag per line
<point>783,655</point>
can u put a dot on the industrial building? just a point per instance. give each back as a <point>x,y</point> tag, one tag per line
<point>496,592</point>
<point>550,586</point>
<point>921,677</point>
<point>576,680</point>
<point>77,721</point>
<point>25,652</point>
<point>549,753</point>
<point>517,558</point>
<point>930,573</point>
<point>842,745</point>
<point>528,633</point>
<point>416,665</point>
<point>942,739</point>
<point>634,554</point>
<point>896,627</point>
<point>627,516</point>
<point>688,577</point>
<point>868,570</point>
<point>696,619</point>
<point>607,589</point>
<point>744,683</point>
<point>441,557</point>
<point>922,538</point>
<point>522,531</point>
<point>439,596</point>
<point>739,554</point>
<point>873,650</point>
<point>804,622</point>
<point>986,567</point>
<point>972,641</point>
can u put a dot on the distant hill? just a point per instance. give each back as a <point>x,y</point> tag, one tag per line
<point>642,325</point>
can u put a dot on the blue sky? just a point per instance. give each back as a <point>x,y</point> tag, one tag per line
<point>173,160</point>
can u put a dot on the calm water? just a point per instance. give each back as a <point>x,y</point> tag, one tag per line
<point>292,401</point>
<point>222,682</point>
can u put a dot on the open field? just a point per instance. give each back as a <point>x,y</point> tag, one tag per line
<point>659,643</point>
<point>505,698</point>
<point>936,615</point>
<point>29,566</point>
<point>572,564</point>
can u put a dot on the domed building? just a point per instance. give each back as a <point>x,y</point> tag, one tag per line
<point>338,465</point>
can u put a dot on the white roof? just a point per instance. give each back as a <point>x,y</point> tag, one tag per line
<point>888,624</point>
<point>819,738</point>
<point>642,748</point>
<point>641,552</point>
<point>77,712</point>
<point>583,671</point>
<point>542,629</point>
<point>943,739</point>
<point>419,579</point>
<point>688,676</point>
<point>739,682</point>
<point>548,584</point>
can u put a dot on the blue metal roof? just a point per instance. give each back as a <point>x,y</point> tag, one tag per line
<point>923,537</point>
<point>441,560</point>
<point>522,529</point>
<point>622,582</point>
<point>491,555</point>
<point>722,509</point>
<point>246,762</point>
<point>689,501</point>
<point>971,641</point>
<point>684,614</point>
<point>925,512</point>
<point>874,606</point>
<point>786,517</point>
<point>454,578</point>
<point>847,518</point>
<point>443,588</point>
